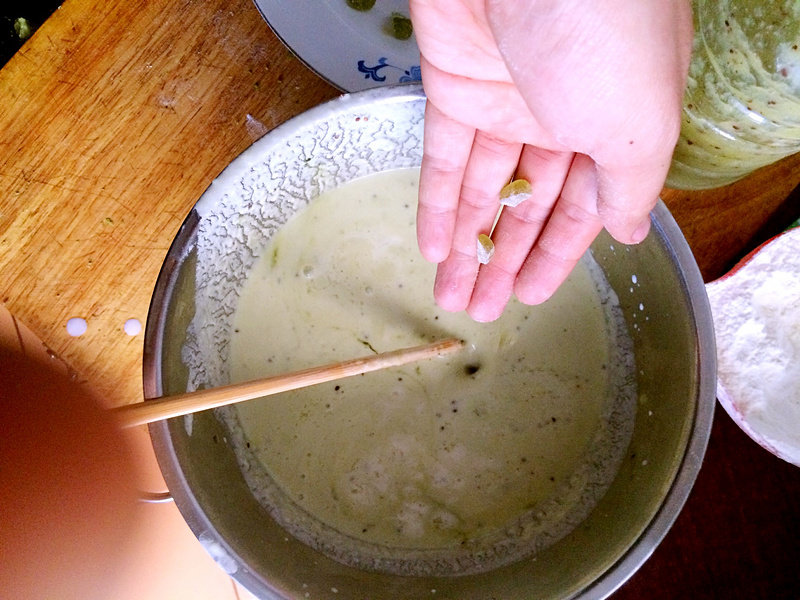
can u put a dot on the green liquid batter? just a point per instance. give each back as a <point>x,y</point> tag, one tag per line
<point>448,465</point>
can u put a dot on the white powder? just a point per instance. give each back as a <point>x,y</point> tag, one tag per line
<point>757,323</point>
<point>218,553</point>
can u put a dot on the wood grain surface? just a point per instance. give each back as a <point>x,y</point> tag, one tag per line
<point>115,117</point>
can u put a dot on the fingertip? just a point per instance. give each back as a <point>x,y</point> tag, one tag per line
<point>625,199</point>
<point>453,286</point>
<point>541,276</point>
<point>486,312</point>
<point>531,294</point>
<point>493,289</point>
<point>640,232</point>
<point>631,234</point>
<point>434,236</point>
<point>433,253</point>
<point>448,301</point>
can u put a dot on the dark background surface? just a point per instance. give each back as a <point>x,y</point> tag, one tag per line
<point>740,522</point>
<point>34,11</point>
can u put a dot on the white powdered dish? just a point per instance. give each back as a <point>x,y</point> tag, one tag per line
<point>756,310</point>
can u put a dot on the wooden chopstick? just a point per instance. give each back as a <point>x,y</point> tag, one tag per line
<point>182,404</point>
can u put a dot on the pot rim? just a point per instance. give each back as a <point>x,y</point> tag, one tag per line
<point>700,431</point>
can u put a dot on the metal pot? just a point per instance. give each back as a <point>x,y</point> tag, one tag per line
<point>674,354</point>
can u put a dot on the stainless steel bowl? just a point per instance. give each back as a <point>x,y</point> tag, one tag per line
<point>674,354</point>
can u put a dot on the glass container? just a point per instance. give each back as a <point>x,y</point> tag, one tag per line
<point>742,102</point>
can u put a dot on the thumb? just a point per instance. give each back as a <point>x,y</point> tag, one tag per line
<point>625,197</point>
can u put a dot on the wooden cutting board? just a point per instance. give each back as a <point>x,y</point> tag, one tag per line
<point>116,116</point>
<point>114,119</point>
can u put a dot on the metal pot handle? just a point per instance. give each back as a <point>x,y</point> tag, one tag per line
<point>155,497</point>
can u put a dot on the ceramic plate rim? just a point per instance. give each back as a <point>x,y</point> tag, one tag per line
<point>358,64</point>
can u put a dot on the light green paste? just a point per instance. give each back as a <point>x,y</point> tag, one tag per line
<point>742,102</point>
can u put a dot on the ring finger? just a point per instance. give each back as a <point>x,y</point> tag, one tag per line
<point>518,229</point>
<point>571,229</point>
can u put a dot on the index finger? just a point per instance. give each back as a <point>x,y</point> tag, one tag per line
<point>446,148</point>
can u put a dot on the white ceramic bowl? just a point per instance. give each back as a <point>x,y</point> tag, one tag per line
<point>755,317</point>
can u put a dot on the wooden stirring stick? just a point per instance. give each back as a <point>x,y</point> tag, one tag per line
<point>183,404</point>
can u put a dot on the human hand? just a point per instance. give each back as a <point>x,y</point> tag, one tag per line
<point>583,99</point>
<point>71,519</point>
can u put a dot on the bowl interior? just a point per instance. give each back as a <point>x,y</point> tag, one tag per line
<point>660,292</point>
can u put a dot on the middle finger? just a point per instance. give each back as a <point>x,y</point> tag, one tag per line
<point>490,166</point>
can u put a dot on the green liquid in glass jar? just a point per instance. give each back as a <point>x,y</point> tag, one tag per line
<point>742,102</point>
